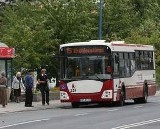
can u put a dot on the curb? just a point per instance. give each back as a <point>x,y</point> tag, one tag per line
<point>38,106</point>
<point>33,109</point>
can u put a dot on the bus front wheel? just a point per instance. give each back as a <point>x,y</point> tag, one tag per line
<point>122,98</point>
<point>145,95</point>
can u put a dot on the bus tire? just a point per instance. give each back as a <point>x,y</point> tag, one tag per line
<point>75,104</point>
<point>122,98</point>
<point>137,100</point>
<point>145,94</point>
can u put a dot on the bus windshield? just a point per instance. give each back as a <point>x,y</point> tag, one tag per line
<point>86,67</point>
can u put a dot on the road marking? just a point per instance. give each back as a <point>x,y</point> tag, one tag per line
<point>81,114</point>
<point>86,113</point>
<point>22,123</point>
<point>138,107</point>
<point>112,110</point>
<point>137,124</point>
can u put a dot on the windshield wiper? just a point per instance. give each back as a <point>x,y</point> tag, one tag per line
<point>97,77</point>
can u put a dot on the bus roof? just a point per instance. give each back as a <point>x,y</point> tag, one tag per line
<point>114,45</point>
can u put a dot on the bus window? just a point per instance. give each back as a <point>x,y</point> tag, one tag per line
<point>69,71</point>
<point>132,59</point>
<point>115,64</point>
<point>98,66</point>
<point>137,58</point>
<point>108,67</point>
<point>146,65</point>
<point>144,60</point>
<point>150,60</point>
<point>121,65</point>
<point>81,67</point>
<point>127,64</point>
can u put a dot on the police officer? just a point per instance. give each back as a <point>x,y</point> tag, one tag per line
<point>43,82</point>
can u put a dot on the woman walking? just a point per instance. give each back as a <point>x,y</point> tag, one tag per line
<point>17,85</point>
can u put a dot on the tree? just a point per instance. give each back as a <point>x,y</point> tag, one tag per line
<point>36,29</point>
<point>23,28</point>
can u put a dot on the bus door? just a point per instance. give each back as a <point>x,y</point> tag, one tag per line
<point>116,77</point>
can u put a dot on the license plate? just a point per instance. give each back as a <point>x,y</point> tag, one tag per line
<point>85,100</point>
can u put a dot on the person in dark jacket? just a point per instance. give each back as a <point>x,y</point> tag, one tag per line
<point>43,82</point>
<point>3,90</point>
<point>29,89</point>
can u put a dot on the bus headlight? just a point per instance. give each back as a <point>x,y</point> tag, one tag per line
<point>64,95</point>
<point>107,94</point>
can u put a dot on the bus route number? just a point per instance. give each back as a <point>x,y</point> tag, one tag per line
<point>73,90</point>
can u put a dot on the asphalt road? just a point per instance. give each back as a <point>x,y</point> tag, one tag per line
<point>130,116</point>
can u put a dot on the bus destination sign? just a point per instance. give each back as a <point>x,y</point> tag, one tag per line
<point>85,50</point>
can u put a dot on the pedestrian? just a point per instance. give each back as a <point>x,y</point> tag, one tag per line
<point>44,88</point>
<point>29,89</point>
<point>3,90</point>
<point>17,85</point>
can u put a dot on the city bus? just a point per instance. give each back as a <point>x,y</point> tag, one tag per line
<point>106,72</point>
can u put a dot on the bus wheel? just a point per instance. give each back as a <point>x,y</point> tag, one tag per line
<point>144,98</point>
<point>122,98</point>
<point>137,100</point>
<point>75,105</point>
<point>145,95</point>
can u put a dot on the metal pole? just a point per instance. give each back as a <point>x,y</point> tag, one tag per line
<point>12,71</point>
<point>100,19</point>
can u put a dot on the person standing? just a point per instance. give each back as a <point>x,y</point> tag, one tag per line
<point>17,85</point>
<point>3,90</point>
<point>29,89</point>
<point>43,82</point>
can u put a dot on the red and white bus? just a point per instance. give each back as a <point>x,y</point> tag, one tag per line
<point>103,72</point>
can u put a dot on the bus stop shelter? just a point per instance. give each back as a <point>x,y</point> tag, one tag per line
<point>6,61</point>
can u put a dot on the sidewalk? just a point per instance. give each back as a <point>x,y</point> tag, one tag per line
<point>19,107</point>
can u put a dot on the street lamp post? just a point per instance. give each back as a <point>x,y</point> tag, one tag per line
<point>100,19</point>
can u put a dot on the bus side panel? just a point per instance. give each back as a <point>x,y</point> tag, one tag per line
<point>130,93</point>
<point>152,89</point>
<point>138,90</point>
<point>107,91</point>
<point>116,94</point>
<point>134,91</point>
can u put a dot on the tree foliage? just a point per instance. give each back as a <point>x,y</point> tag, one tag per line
<point>37,28</point>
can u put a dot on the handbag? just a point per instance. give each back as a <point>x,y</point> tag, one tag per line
<point>37,86</point>
<point>11,97</point>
